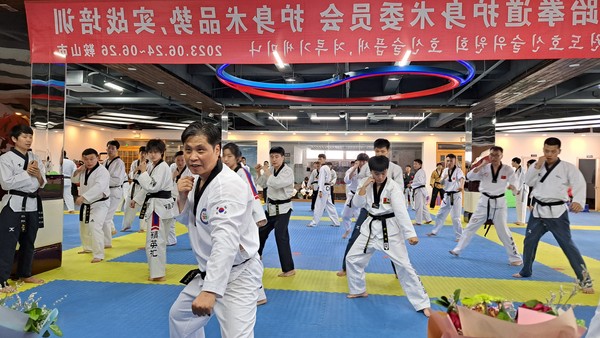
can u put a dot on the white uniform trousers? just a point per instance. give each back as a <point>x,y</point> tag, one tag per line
<point>594,328</point>
<point>422,214</point>
<point>235,311</point>
<point>129,216</point>
<point>499,217</point>
<point>521,204</point>
<point>261,293</point>
<point>455,212</point>
<point>349,212</point>
<point>92,234</point>
<point>68,196</point>
<point>322,204</point>
<point>109,225</point>
<point>122,205</point>
<point>172,237</point>
<point>156,244</point>
<point>357,260</point>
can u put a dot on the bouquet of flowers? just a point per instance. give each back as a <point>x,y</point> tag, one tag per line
<point>484,315</point>
<point>27,318</point>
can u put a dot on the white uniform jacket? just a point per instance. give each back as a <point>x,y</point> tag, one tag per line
<point>313,179</point>
<point>333,178</point>
<point>419,179</point>
<point>324,178</point>
<point>68,168</point>
<point>14,177</point>
<point>280,186</point>
<point>452,183</point>
<point>394,172</point>
<point>352,182</point>
<point>95,187</point>
<point>116,168</point>
<point>258,213</point>
<point>506,177</point>
<point>520,179</point>
<point>392,200</point>
<point>222,231</point>
<point>555,188</point>
<point>155,180</point>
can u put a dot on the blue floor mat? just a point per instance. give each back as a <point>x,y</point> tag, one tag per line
<point>71,237</point>
<point>587,244</point>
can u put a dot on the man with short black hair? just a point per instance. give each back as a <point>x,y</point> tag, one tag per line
<point>116,167</point>
<point>22,174</point>
<point>279,180</point>
<point>130,212</point>
<point>435,184</point>
<point>419,193</point>
<point>351,180</point>
<point>453,180</point>
<point>324,199</point>
<point>550,177</point>
<point>389,225</point>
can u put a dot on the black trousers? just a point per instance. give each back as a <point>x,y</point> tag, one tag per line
<point>314,199</point>
<point>278,223</point>
<point>10,235</point>
<point>434,194</point>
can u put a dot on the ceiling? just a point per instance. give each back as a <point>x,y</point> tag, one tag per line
<point>513,90</point>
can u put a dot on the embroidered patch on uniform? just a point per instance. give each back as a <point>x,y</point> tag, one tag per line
<point>222,210</point>
<point>203,216</point>
<point>386,200</point>
<point>503,177</point>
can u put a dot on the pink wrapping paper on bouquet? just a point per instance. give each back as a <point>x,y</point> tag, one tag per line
<point>546,326</point>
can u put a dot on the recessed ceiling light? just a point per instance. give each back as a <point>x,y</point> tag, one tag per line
<point>131,68</point>
<point>361,134</point>
<point>262,133</point>
<point>183,94</point>
<point>81,125</point>
<point>582,134</point>
<point>113,86</point>
<point>574,65</point>
<point>101,128</point>
<point>541,81</point>
<point>505,134</point>
<point>160,82</point>
<point>326,133</point>
<point>432,134</point>
<point>198,101</point>
<point>396,134</point>
<point>294,133</point>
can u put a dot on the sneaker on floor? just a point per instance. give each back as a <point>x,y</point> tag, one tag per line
<point>261,302</point>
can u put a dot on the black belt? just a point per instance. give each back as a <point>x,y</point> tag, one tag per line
<point>193,273</point>
<point>451,196</point>
<point>381,218</point>
<point>66,178</point>
<point>116,186</point>
<point>85,210</point>
<point>547,204</point>
<point>276,203</point>
<point>490,219</point>
<point>415,188</point>
<point>40,210</point>
<point>135,182</point>
<point>350,203</point>
<point>158,194</point>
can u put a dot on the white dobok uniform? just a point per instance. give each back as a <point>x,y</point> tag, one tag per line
<point>522,195</point>
<point>224,239</point>
<point>160,214</point>
<point>116,169</point>
<point>392,207</point>
<point>94,188</point>
<point>68,168</point>
<point>130,213</point>
<point>350,209</point>
<point>492,206</point>
<point>452,202</point>
<point>324,201</point>
<point>419,194</point>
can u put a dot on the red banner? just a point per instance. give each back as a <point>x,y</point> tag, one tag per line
<point>309,31</point>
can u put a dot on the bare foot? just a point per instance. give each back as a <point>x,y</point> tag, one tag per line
<point>71,211</point>
<point>84,252</point>
<point>516,263</point>
<point>141,230</point>
<point>517,275</point>
<point>426,312</point>
<point>357,295</point>
<point>157,279</point>
<point>108,247</point>
<point>346,234</point>
<point>8,289</point>
<point>142,248</point>
<point>589,290</point>
<point>431,234</point>
<point>32,280</point>
<point>287,274</point>
<point>261,302</point>
<point>341,273</point>
<point>418,224</point>
<point>114,232</point>
<point>125,229</point>
<point>428,222</point>
<point>96,260</point>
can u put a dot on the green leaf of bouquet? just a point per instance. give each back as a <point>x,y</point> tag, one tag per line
<point>56,330</point>
<point>28,327</point>
<point>457,295</point>
<point>441,303</point>
<point>502,315</point>
<point>532,303</point>
<point>580,322</point>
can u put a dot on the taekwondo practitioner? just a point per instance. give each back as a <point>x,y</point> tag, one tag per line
<point>177,169</point>
<point>232,156</point>
<point>386,228</point>
<point>22,174</point>
<point>68,167</point>
<point>116,167</point>
<point>419,194</point>
<point>351,180</point>
<point>94,195</point>
<point>381,147</point>
<point>279,179</point>
<point>453,181</point>
<point>435,184</point>
<point>332,182</point>
<point>550,177</point>
<point>224,240</point>
<point>494,178</point>
<point>313,180</point>
<point>130,212</point>
<point>158,207</point>
<point>324,200</point>
<point>522,192</point>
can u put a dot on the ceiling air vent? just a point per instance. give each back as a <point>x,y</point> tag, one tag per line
<point>76,82</point>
